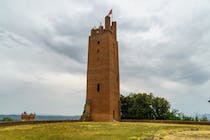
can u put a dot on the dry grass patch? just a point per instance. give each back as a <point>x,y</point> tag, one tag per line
<point>189,135</point>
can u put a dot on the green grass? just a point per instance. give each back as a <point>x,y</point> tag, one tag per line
<point>93,131</point>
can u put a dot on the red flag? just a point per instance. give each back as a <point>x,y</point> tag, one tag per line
<point>110,12</point>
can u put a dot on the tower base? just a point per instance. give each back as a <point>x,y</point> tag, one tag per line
<point>86,113</point>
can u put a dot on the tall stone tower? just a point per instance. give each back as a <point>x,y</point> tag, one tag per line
<point>103,96</point>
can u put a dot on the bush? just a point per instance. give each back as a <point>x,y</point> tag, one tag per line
<point>7,119</point>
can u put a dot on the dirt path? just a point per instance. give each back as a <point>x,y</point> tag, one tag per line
<point>188,135</point>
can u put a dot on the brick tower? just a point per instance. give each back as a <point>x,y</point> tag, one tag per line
<point>103,96</point>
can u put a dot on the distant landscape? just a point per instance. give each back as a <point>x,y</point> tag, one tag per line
<point>42,117</point>
<point>207,115</point>
<point>60,117</point>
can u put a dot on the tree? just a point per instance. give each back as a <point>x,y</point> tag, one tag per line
<point>174,115</point>
<point>161,108</point>
<point>144,106</point>
<point>126,104</point>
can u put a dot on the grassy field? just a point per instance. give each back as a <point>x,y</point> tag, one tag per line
<point>104,131</point>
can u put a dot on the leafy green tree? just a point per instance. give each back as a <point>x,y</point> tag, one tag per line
<point>161,108</point>
<point>174,115</point>
<point>126,105</point>
<point>144,106</point>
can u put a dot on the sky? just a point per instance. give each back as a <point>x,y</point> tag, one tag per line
<point>164,48</point>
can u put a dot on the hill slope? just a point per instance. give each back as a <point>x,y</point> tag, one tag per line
<point>98,131</point>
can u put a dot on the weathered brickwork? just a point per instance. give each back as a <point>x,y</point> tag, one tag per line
<point>102,96</point>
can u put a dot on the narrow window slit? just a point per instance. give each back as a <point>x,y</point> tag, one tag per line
<point>98,87</point>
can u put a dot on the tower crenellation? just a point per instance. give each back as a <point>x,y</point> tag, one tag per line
<point>108,28</point>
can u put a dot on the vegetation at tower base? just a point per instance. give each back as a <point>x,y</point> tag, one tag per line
<point>147,106</point>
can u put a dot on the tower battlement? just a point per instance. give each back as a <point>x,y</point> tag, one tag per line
<point>107,28</point>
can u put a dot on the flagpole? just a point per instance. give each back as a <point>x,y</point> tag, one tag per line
<point>112,14</point>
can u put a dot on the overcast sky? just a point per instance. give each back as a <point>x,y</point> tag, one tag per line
<point>164,48</point>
